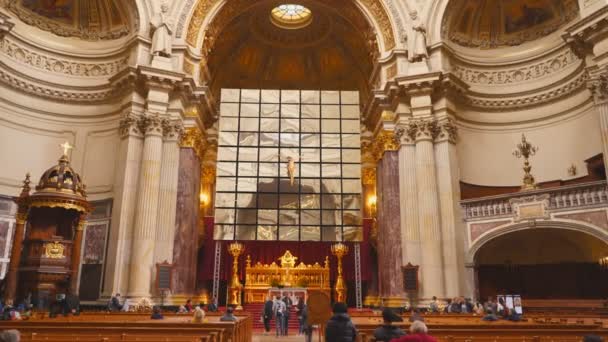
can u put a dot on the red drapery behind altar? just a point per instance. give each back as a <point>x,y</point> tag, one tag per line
<point>266,252</point>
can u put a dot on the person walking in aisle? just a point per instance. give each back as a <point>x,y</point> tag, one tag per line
<point>267,315</point>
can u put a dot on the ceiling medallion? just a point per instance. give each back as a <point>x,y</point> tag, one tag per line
<point>291,16</point>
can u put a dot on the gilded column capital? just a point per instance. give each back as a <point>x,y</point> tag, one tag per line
<point>447,131</point>
<point>151,124</point>
<point>82,221</point>
<point>193,138</point>
<point>384,141</point>
<point>21,217</point>
<point>129,125</point>
<point>172,129</point>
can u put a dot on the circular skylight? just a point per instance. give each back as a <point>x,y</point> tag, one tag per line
<point>291,16</point>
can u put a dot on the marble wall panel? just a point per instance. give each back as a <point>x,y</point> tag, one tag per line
<point>185,248</point>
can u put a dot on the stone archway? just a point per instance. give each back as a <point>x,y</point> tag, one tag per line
<point>542,263</point>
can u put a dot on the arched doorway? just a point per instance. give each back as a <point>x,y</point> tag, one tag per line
<point>543,264</point>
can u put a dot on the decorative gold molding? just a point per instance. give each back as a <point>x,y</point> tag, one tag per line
<point>384,141</point>
<point>53,250</point>
<point>208,175</point>
<point>379,14</point>
<point>201,11</point>
<point>193,138</point>
<point>368,176</point>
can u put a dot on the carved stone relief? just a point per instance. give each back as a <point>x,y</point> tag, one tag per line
<point>61,66</point>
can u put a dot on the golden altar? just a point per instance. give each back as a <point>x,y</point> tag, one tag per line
<point>260,278</point>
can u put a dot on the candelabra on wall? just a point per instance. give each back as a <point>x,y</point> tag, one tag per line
<point>235,249</point>
<point>526,150</point>
<point>340,250</point>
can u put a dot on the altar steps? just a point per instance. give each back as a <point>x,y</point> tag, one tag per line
<point>256,311</point>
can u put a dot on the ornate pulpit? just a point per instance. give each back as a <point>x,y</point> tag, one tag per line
<point>45,256</point>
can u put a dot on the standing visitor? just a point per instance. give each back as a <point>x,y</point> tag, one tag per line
<point>288,304</point>
<point>300,308</point>
<point>267,315</point>
<point>278,308</point>
<point>339,327</point>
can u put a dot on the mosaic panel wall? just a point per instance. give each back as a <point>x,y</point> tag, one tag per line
<point>268,136</point>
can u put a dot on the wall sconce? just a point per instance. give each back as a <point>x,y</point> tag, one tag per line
<point>204,199</point>
<point>371,203</point>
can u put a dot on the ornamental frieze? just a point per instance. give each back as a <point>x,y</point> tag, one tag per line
<point>61,66</point>
<point>516,75</point>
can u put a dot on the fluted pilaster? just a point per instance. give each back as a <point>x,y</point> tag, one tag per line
<point>144,233</point>
<point>448,182</point>
<point>423,133</point>
<point>123,212</point>
<point>167,197</point>
<point>408,194</point>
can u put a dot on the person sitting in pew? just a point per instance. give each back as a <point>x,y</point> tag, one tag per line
<point>416,316</point>
<point>10,336</point>
<point>229,315</point>
<point>418,333</point>
<point>388,331</point>
<point>114,304</point>
<point>490,316</point>
<point>188,305</point>
<point>156,313</point>
<point>199,315</point>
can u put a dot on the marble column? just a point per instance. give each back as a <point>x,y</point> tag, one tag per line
<point>167,196</point>
<point>452,229</point>
<point>144,231</point>
<point>408,193</point>
<point>389,231</point>
<point>76,252</point>
<point>431,265</point>
<point>123,206</point>
<point>186,223</point>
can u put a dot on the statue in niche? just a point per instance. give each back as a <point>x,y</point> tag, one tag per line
<point>163,29</point>
<point>416,40</point>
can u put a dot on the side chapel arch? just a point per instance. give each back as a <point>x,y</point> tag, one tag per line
<point>588,229</point>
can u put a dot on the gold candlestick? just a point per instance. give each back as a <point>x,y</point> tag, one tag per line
<point>235,287</point>
<point>526,150</point>
<point>340,250</point>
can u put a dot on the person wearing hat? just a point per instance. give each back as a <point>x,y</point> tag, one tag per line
<point>388,331</point>
<point>339,327</point>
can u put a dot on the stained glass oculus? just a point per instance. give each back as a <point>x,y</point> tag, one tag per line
<point>291,16</point>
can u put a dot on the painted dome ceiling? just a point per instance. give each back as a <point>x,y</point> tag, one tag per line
<point>84,19</point>
<point>490,24</point>
<point>330,50</point>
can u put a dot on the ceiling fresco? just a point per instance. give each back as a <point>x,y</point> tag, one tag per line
<point>490,24</point>
<point>85,19</point>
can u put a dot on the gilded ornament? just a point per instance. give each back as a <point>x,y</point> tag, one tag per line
<point>378,12</point>
<point>526,150</point>
<point>202,8</point>
<point>369,176</point>
<point>53,250</point>
<point>208,175</point>
<point>340,250</point>
<point>193,138</point>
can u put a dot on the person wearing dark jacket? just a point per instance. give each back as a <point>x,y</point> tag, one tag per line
<point>306,328</point>
<point>388,331</point>
<point>339,327</point>
<point>267,315</point>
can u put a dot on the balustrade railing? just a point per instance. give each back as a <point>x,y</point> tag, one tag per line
<point>560,198</point>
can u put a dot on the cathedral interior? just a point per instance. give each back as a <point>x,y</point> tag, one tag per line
<point>380,153</point>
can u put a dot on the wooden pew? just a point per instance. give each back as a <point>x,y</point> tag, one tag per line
<point>117,328</point>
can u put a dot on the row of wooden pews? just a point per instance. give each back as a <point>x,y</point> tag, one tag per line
<point>131,327</point>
